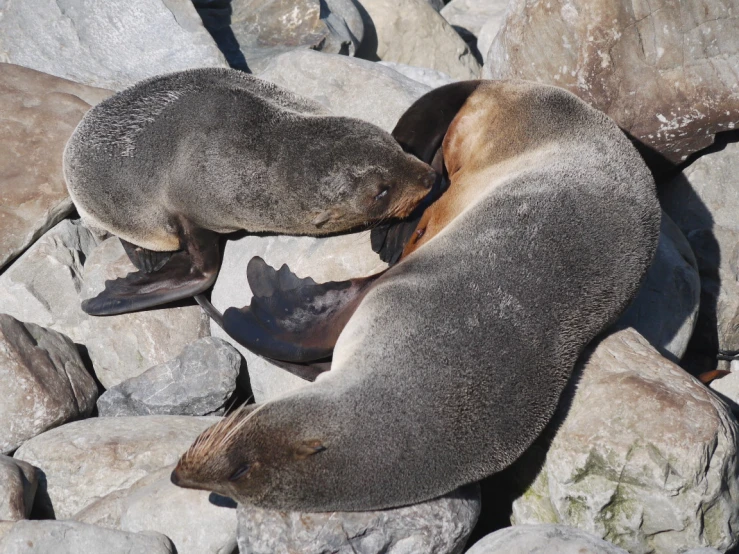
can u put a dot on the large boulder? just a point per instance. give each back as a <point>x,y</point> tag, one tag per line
<point>86,460</point>
<point>643,448</point>
<point>472,15</point>
<point>337,82</point>
<point>534,539</point>
<point>440,526</point>
<point>44,382</point>
<point>106,44</point>
<point>413,33</point>
<point>44,286</point>
<point>665,70</point>
<point>38,113</point>
<point>18,484</point>
<point>424,75</point>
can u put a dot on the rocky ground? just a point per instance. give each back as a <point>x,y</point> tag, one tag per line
<point>641,458</point>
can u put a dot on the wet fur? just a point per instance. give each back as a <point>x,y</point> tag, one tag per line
<point>455,360</point>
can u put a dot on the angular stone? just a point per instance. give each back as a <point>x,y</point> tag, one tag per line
<point>530,539</point>
<point>106,44</point>
<point>644,447</point>
<point>666,308</point>
<point>324,259</point>
<point>489,30</point>
<point>413,33</point>
<point>727,388</point>
<point>471,15</point>
<point>71,537</point>
<point>198,522</point>
<point>336,82</point>
<point>86,460</point>
<point>38,113</point>
<point>197,382</point>
<point>44,287</point>
<point>18,483</point>
<point>664,70</point>
<point>440,526</point>
<point>44,382</point>
<point>429,77</point>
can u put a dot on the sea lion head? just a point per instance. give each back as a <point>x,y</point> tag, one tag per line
<point>365,177</point>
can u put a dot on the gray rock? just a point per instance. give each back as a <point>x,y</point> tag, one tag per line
<point>18,483</point>
<point>71,537</point>
<point>323,259</point>
<point>424,75</point>
<point>38,112</point>
<point>338,83</point>
<point>86,460</point>
<point>106,44</point>
<point>413,33</point>
<point>490,29</point>
<point>440,526</point>
<point>5,527</point>
<point>44,382</point>
<point>727,388</point>
<point>436,4</point>
<point>197,382</point>
<point>665,70</point>
<point>195,524</point>
<point>543,539</point>
<point>666,307</point>
<point>702,551</point>
<point>471,15</point>
<point>44,287</point>
<point>644,447</point>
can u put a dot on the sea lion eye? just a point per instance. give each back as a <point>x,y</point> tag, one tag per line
<point>239,473</point>
<point>382,193</point>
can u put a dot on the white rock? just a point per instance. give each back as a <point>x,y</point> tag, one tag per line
<point>424,75</point>
<point>86,460</point>
<point>543,539</point>
<point>106,44</point>
<point>489,30</point>
<point>18,483</point>
<point>473,14</point>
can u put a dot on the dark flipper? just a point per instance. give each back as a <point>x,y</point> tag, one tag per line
<point>163,277</point>
<point>292,319</point>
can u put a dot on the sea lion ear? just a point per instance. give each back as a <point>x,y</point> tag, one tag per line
<point>308,448</point>
<point>421,129</point>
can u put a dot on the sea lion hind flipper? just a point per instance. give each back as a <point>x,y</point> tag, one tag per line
<point>147,261</point>
<point>292,319</point>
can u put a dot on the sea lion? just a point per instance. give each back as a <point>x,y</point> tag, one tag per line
<point>172,161</point>
<point>456,357</point>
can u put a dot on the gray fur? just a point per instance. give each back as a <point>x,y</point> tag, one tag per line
<point>455,361</point>
<point>228,152</point>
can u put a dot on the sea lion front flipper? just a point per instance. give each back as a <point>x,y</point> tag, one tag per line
<point>171,276</point>
<point>293,319</point>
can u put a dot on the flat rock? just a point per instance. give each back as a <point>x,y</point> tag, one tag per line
<point>429,77</point>
<point>197,382</point>
<point>666,308</point>
<point>542,539</point>
<point>644,447</point>
<point>106,44</point>
<point>18,483</point>
<point>38,113</point>
<point>337,82</point>
<point>44,382</point>
<point>196,521</point>
<point>440,526</point>
<point>71,537</point>
<point>413,33</point>
<point>45,284</point>
<point>86,460</point>
<point>665,70</point>
<point>324,259</point>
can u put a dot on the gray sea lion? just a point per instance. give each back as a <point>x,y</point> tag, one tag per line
<point>456,357</point>
<point>171,161</point>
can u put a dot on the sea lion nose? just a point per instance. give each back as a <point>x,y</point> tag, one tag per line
<point>174,477</point>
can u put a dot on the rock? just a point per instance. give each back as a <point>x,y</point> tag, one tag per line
<point>335,81</point>
<point>665,71</point>
<point>727,388</point>
<point>71,537</point>
<point>197,382</point>
<point>703,200</point>
<point>38,113</point>
<point>18,483</point>
<point>440,526</point>
<point>106,44</point>
<point>429,77</point>
<point>413,33</point>
<point>324,259</point>
<point>44,382</point>
<point>666,307</point>
<point>644,447</point>
<point>534,539</point>
<point>195,524</point>
<point>5,527</point>
<point>436,4</point>
<point>489,30</point>
<point>471,15</point>
<point>85,460</point>
<point>44,287</point>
